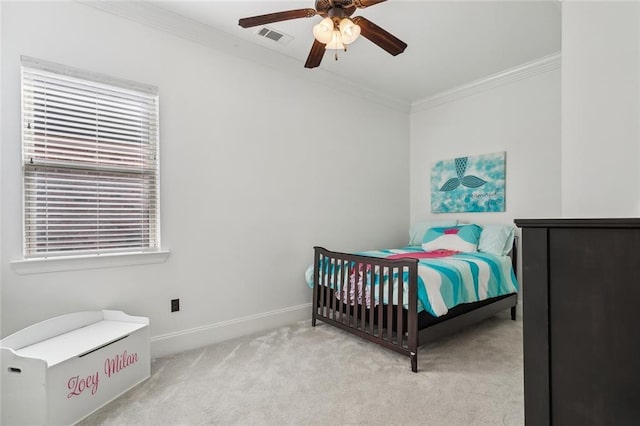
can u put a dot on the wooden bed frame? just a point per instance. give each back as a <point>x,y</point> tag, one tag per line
<point>392,326</point>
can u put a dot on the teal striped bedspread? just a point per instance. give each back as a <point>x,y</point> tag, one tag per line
<point>443,282</point>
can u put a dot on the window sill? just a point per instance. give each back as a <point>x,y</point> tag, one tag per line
<point>93,261</point>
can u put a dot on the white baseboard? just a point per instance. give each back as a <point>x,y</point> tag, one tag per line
<point>180,341</point>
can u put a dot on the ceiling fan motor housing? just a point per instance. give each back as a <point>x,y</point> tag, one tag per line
<point>338,13</point>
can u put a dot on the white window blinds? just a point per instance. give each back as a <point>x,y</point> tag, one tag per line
<point>90,164</point>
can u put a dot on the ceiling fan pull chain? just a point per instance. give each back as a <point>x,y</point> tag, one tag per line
<point>336,51</point>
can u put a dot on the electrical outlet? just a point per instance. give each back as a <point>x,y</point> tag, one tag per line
<point>175,305</point>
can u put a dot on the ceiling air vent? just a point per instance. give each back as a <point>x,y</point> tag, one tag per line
<point>274,35</point>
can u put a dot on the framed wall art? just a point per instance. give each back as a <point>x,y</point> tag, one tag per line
<point>469,184</point>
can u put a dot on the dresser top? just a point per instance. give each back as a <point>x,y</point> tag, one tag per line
<point>622,222</point>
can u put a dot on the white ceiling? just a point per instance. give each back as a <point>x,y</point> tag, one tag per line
<point>450,43</point>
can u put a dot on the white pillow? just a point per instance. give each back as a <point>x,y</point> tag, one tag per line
<point>497,239</point>
<point>417,230</point>
<point>462,238</point>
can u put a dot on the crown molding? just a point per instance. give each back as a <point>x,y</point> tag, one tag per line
<point>170,22</point>
<point>511,75</point>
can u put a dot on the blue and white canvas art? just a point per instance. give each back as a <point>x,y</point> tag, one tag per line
<point>469,184</point>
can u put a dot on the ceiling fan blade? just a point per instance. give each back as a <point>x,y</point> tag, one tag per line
<point>377,35</point>
<point>276,17</point>
<point>315,55</point>
<point>361,4</point>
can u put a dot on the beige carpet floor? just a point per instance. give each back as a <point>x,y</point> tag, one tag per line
<point>300,375</point>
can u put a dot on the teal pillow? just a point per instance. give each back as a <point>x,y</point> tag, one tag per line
<point>462,238</point>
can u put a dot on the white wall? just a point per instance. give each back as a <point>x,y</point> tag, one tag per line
<point>1,203</point>
<point>255,170</point>
<point>521,118</point>
<point>600,109</point>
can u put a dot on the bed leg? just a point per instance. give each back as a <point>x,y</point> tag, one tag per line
<point>414,362</point>
<point>513,313</point>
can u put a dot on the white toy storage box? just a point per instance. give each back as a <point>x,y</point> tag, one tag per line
<point>59,371</point>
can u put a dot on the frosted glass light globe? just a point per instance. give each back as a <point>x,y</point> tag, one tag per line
<point>336,41</point>
<point>349,31</point>
<point>323,31</point>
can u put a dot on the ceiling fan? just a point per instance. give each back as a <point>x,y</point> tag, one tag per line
<point>336,30</point>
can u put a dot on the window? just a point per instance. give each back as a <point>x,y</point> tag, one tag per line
<point>90,163</point>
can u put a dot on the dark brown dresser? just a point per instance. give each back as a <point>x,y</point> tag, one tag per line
<point>581,321</point>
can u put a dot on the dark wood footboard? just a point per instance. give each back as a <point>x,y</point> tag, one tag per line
<point>341,282</point>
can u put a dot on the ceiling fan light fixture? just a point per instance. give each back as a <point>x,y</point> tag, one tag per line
<point>349,31</point>
<point>335,31</point>
<point>323,31</point>
<point>336,42</point>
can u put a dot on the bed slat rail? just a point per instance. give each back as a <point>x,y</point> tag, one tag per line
<point>349,291</point>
